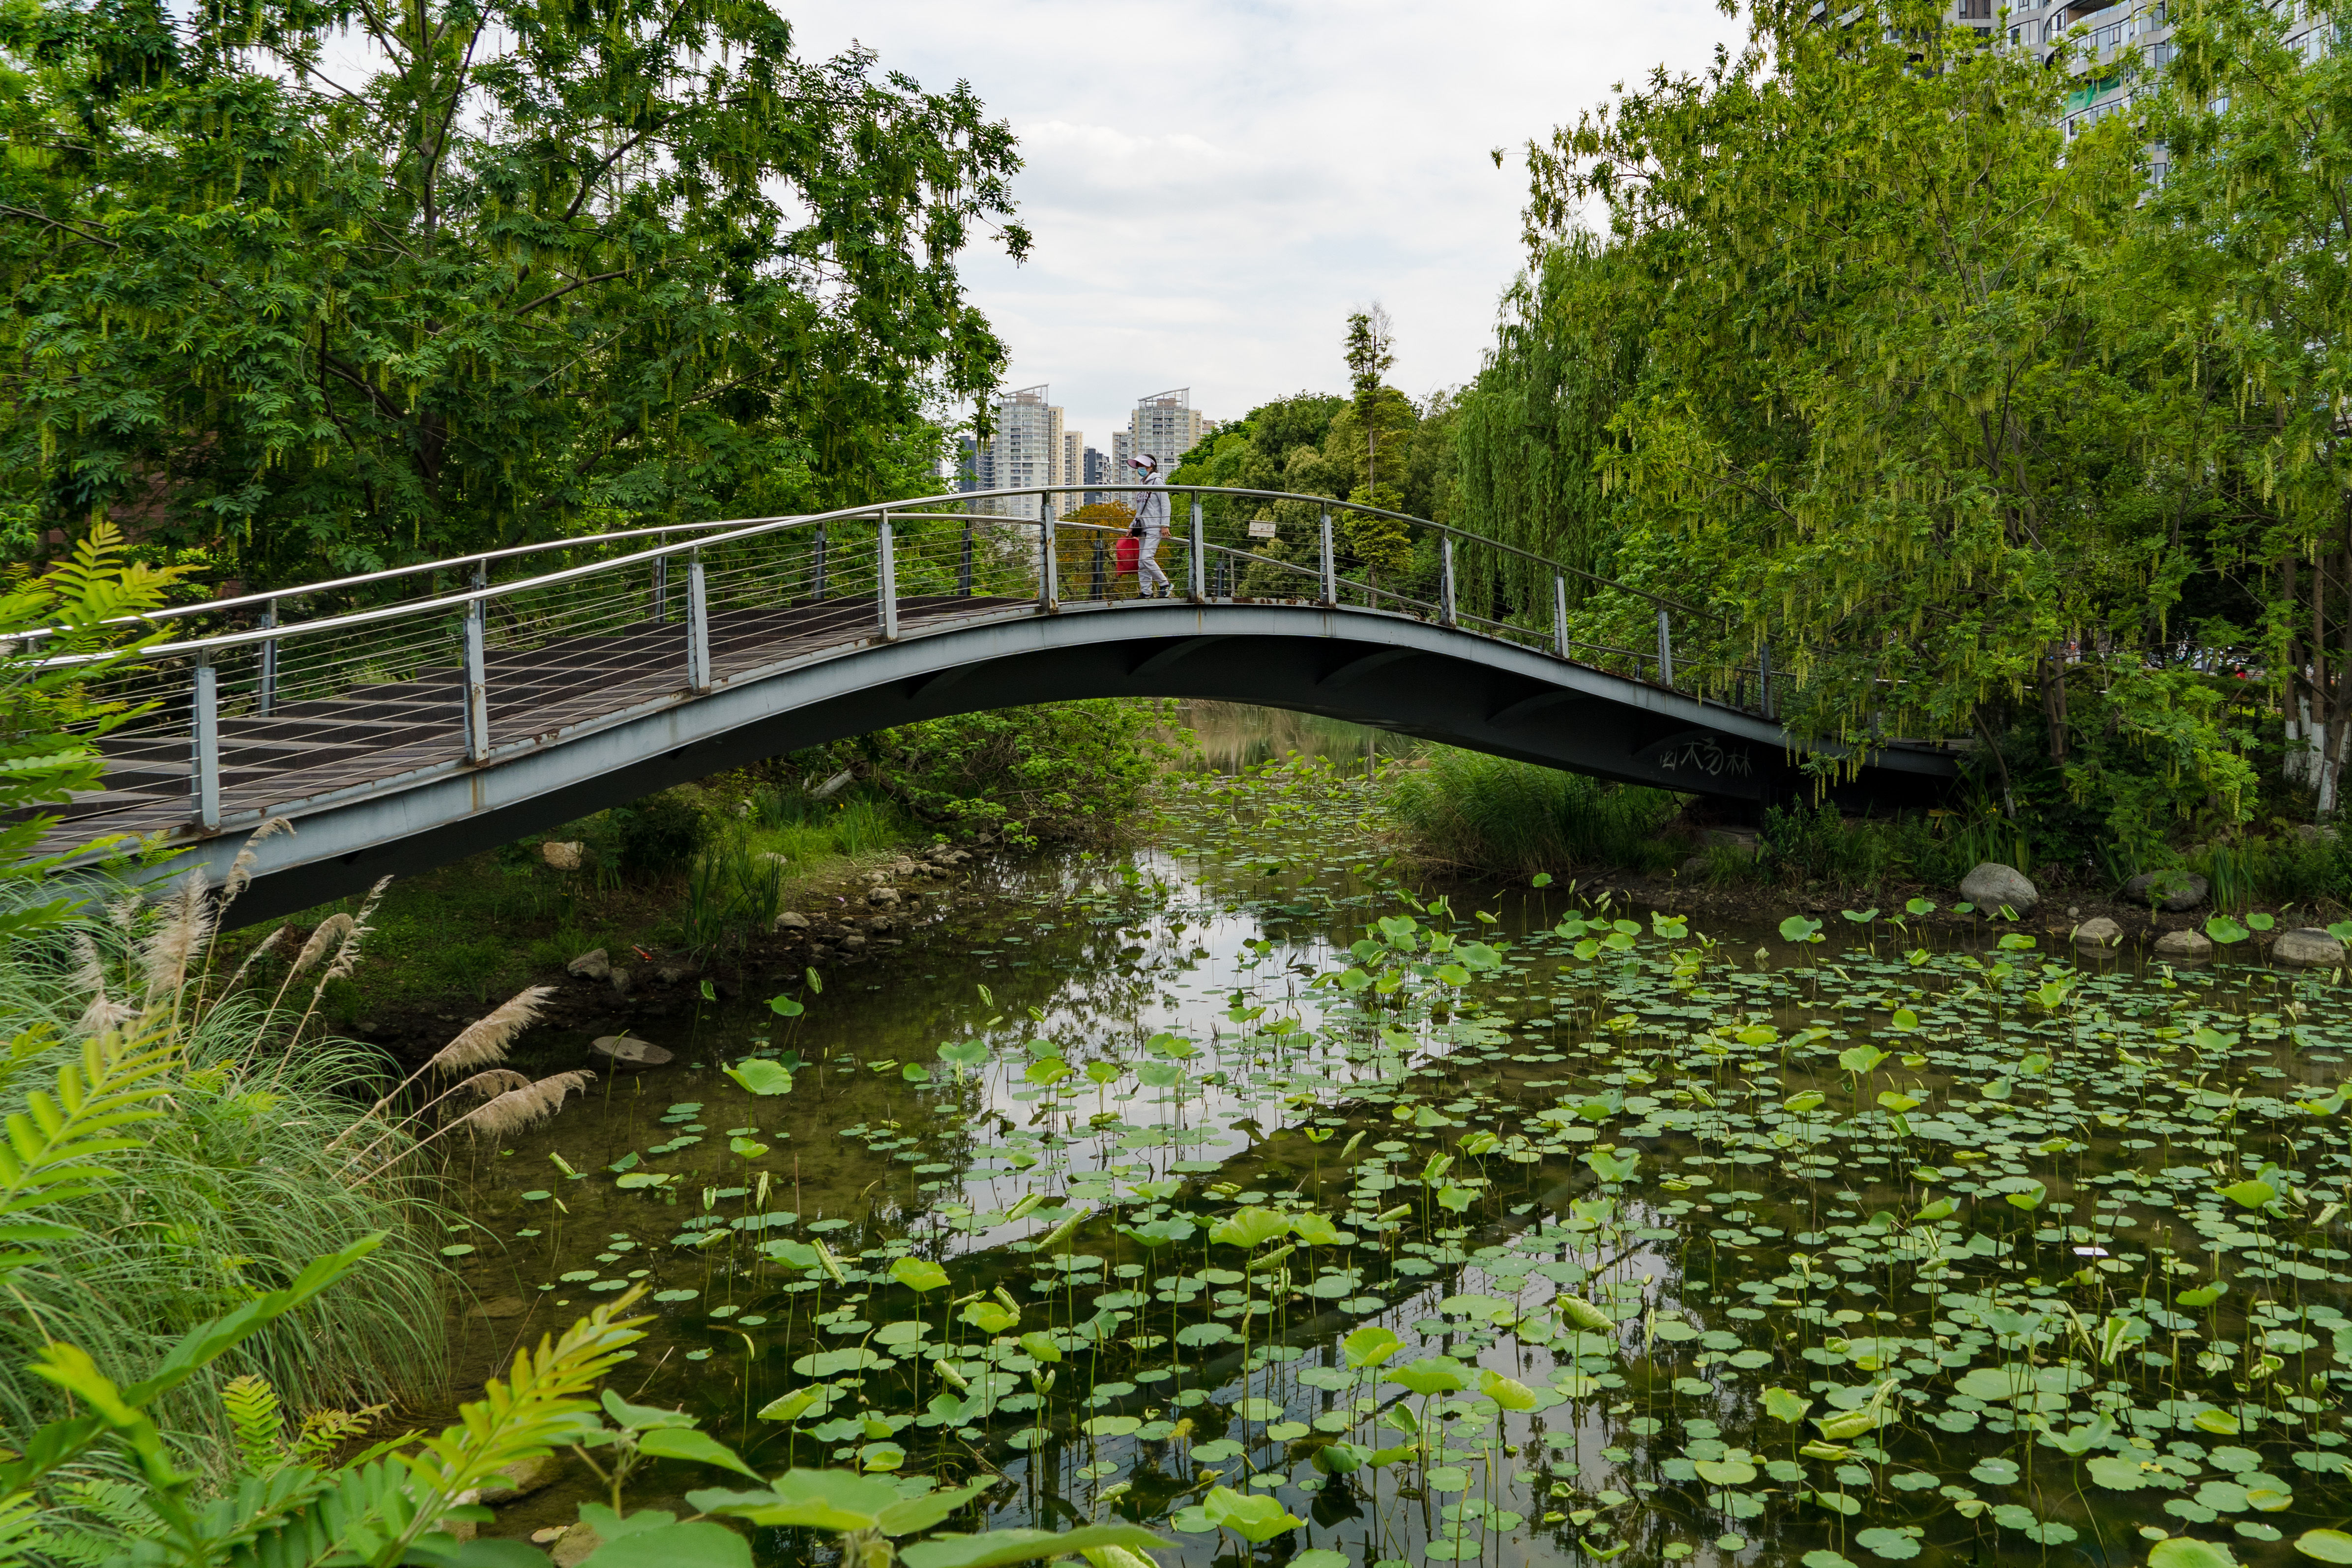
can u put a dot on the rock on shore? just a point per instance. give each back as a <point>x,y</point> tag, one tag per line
<point>2099,932</point>
<point>2309,946</point>
<point>2173,891</point>
<point>1992,884</point>
<point>2184,947</point>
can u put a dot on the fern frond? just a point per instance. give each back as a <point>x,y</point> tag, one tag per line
<point>21,1535</point>
<point>532,1413</point>
<point>254,1419</point>
<point>118,1505</point>
<point>324,1431</point>
<point>55,1148</point>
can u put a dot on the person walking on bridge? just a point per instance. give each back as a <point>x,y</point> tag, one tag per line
<point>1151,528</point>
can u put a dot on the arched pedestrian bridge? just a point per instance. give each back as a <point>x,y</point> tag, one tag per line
<point>402,719</point>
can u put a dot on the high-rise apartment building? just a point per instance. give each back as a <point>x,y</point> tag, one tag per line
<point>1027,448</point>
<point>1167,425</point>
<point>2103,30</point>
<point>1030,447</point>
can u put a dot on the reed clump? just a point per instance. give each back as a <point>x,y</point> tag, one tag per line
<point>260,1152</point>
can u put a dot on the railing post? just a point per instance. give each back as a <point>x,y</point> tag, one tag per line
<point>1445,581</point>
<point>697,627</point>
<point>1198,575</point>
<point>888,589</point>
<point>206,727</point>
<point>477,692</point>
<point>1559,614</point>
<point>963,571</point>
<point>1764,681</point>
<point>818,591</point>
<point>1330,563</point>
<point>661,590</point>
<point>266,697</point>
<point>1049,596</point>
<point>1665,650</point>
<point>1101,587</point>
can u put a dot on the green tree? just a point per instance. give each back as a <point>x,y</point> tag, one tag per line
<point>2249,237</point>
<point>1370,354</point>
<point>1886,418</point>
<point>326,284</point>
<point>1538,423</point>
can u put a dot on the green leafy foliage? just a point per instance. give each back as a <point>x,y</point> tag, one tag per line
<point>650,264</point>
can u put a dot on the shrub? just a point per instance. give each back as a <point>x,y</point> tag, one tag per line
<point>1068,772</point>
<point>1498,814</point>
<point>661,833</point>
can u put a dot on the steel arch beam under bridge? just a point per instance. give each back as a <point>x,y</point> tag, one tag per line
<point>1385,670</point>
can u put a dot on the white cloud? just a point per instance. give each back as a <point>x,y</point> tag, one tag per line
<point>1214,185</point>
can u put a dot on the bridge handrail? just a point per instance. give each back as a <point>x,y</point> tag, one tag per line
<point>741,529</point>
<point>444,563</point>
<point>823,585</point>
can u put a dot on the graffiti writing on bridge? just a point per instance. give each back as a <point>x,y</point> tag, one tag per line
<point>1704,755</point>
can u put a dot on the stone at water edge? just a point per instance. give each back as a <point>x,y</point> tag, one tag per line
<point>1695,866</point>
<point>630,1051</point>
<point>2174,892</point>
<point>1992,884</point>
<point>2184,947</point>
<point>575,1546</point>
<point>790,920</point>
<point>2099,932</point>
<point>2309,946</point>
<point>563,857</point>
<point>621,982</point>
<point>590,965</point>
<point>522,1477</point>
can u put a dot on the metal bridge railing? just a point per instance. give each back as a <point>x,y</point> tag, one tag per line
<point>488,646</point>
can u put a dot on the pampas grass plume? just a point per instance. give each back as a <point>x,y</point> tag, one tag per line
<point>485,1040</point>
<point>525,1107</point>
<point>332,930</point>
<point>491,1084</point>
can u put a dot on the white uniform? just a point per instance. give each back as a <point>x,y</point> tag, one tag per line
<point>1151,512</point>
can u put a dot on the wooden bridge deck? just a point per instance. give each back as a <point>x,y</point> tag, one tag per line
<point>366,736</point>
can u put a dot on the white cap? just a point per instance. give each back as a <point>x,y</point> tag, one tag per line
<point>1144,460</point>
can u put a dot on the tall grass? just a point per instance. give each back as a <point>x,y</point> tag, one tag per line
<point>262,1152</point>
<point>797,828</point>
<point>1496,814</point>
<point>734,892</point>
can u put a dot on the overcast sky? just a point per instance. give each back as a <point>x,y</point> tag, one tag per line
<point>1214,185</point>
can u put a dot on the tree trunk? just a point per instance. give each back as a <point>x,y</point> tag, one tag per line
<point>2053,699</point>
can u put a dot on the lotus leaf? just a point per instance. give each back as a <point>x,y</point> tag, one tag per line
<point>1256,1519</point>
<point>2180,1551</point>
<point>1436,1374</point>
<point>1002,1546</point>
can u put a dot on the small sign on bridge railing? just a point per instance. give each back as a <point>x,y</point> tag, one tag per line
<point>1262,529</point>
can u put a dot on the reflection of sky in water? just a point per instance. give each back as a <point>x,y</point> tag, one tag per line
<point>1196,952</point>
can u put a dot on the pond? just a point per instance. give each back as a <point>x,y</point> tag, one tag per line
<point>1233,1189</point>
